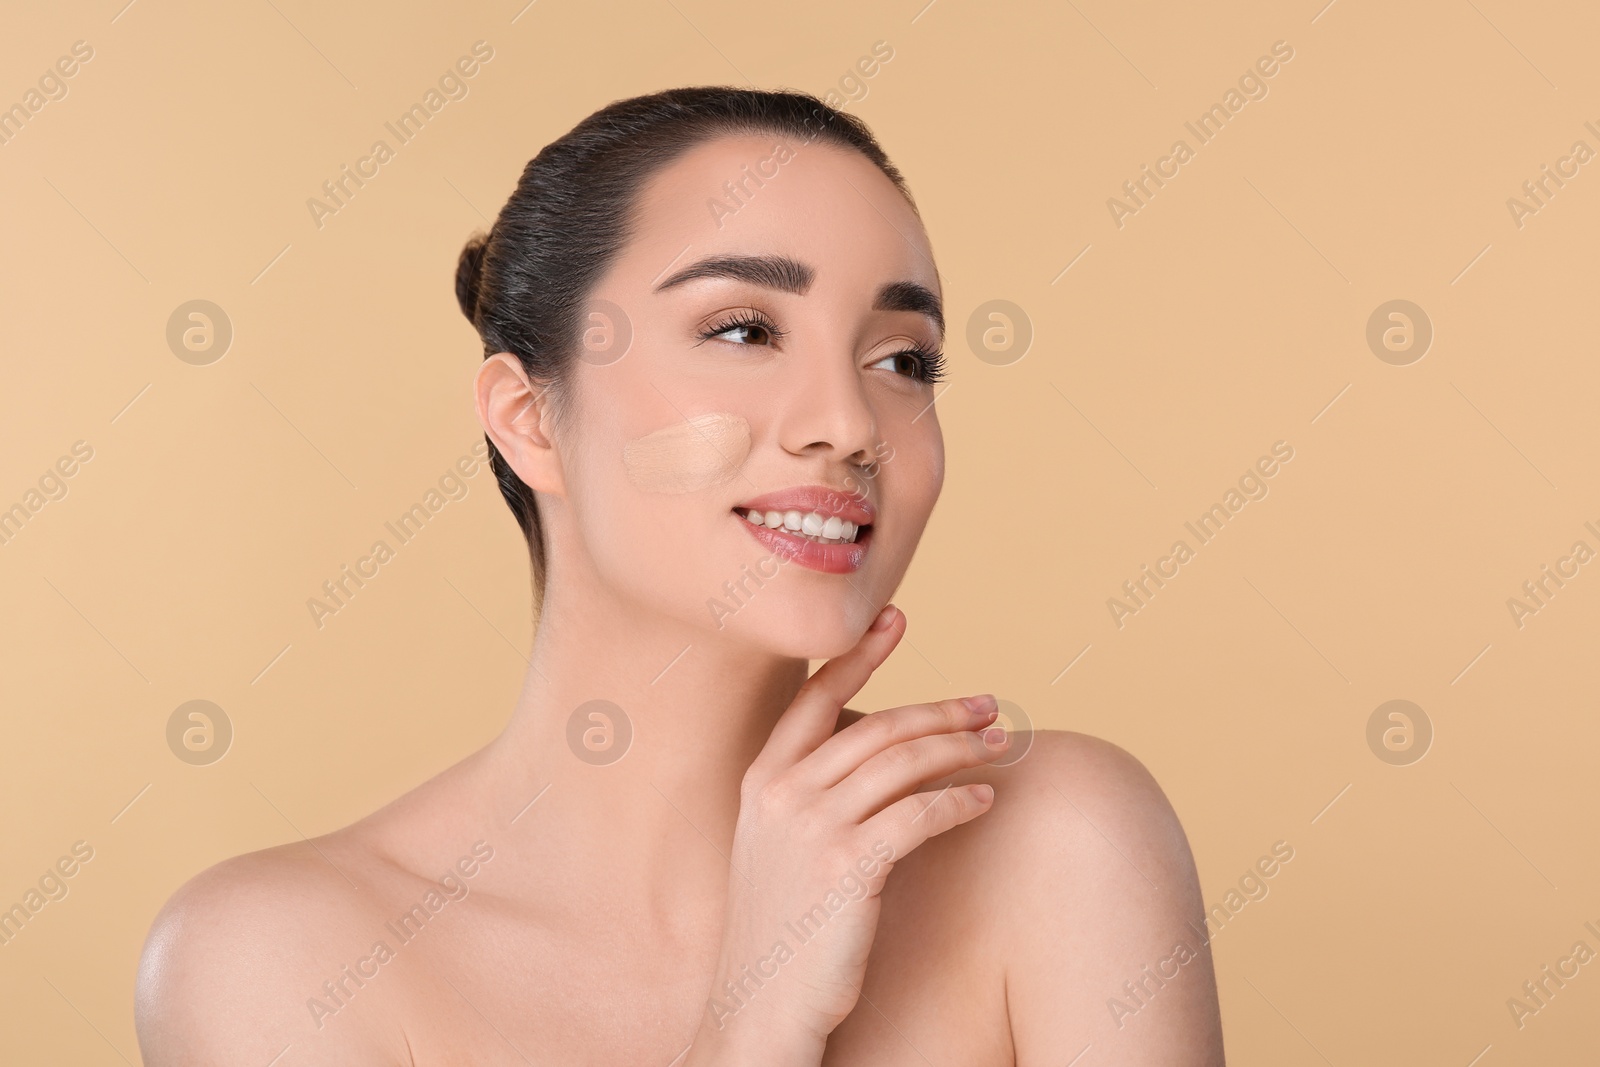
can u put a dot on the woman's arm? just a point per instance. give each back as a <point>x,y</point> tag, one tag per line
<point>1109,949</point>
<point>233,958</point>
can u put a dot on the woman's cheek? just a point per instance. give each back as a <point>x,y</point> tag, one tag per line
<point>917,471</point>
<point>642,543</point>
<point>920,459</point>
<point>688,455</point>
<point>650,507</point>
<point>936,465</point>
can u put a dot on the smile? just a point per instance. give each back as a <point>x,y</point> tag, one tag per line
<point>820,528</point>
<point>812,525</point>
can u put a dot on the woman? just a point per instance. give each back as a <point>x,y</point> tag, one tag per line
<point>712,324</point>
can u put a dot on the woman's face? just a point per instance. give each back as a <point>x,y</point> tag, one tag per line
<point>780,312</point>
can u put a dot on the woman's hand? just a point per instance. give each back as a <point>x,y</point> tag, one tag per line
<point>823,818</point>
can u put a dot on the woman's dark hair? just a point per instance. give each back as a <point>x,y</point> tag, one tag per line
<point>524,284</point>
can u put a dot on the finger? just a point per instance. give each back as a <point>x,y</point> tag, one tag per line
<point>907,823</point>
<point>901,770</point>
<point>814,712</point>
<point>841,755</point>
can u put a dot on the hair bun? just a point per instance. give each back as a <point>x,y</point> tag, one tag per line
<point>469,270</point>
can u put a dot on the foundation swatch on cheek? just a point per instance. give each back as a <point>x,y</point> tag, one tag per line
<point>688,456</point>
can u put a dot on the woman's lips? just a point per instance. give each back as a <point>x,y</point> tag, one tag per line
<point>813,501</point>
<point>829,559</point>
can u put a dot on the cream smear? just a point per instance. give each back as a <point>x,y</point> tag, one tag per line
<point>688,456</point>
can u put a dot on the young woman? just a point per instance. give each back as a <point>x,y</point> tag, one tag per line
<point>712,328</point>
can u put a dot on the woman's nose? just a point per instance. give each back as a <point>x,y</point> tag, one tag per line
<point>828,410</point>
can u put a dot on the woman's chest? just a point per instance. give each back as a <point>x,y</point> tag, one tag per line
<point>504,992</point>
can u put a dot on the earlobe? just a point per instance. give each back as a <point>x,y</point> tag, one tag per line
<point>515,413</point>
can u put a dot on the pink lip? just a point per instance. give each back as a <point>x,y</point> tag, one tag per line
<point>829,559</point>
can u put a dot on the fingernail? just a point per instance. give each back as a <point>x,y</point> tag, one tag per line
<point>994,737</point>
<point>984,793</point>
<point>884,618</point>
<point>980,704</point>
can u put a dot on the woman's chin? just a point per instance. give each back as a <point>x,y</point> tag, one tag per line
<point>813,633</point>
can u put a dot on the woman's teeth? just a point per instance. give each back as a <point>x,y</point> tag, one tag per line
<point>824,529</point>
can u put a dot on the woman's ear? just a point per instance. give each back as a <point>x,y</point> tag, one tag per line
<point>516,415</point>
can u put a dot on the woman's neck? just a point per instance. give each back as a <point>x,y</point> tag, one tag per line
<point>687,711</point>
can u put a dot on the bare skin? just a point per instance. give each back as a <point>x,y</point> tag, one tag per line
<point>590,912</point>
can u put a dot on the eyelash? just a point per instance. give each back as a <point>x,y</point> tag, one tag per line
<point>930,365</point>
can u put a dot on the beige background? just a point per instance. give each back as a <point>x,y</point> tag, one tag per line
<point>1227,314</point>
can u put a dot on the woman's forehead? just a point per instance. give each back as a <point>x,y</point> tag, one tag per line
<point>763,194</point>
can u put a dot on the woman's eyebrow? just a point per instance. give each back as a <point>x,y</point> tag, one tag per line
<point>910,296</point>
<point>791,276</point>
<point>774,272</point>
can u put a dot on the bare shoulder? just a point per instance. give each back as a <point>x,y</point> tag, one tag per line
<point>1103,926</point>
<point>1066,787</point>
<point>259,952</point>
<point>232,958</point>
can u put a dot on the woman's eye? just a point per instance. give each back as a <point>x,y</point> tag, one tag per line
<point>751,333</point>
<point>898,362</point>
<point>917,363</point>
